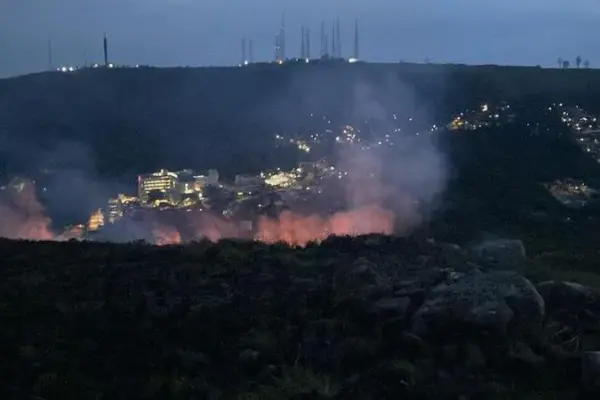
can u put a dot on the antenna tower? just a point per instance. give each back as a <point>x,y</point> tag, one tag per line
<point>356,43</point>
<point>105,51</point>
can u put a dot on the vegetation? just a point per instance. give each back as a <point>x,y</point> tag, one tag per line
<point>222,117</point>
<point>234,320</point>
<point>244,320</point>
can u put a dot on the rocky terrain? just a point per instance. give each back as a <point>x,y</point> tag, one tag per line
<point>372,317</point>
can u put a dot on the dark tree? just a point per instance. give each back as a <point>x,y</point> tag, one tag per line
<point>578,61</point>
<point>566,64</point>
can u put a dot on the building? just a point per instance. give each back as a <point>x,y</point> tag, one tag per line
<point>96,220</point>
<point>162,182</point>
<point>201,181</point>
<point>117,206</point>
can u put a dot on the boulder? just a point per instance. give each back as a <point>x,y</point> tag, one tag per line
<point>489,301</point>
<point>573,302</point>
<point>474,357</point>
<point>500,253</point>
<point>521,352</point>
<point>360,280</point>
<point>590,368</point>
<point>393,305</point>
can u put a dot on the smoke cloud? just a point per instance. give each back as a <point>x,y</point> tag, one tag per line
<point>21,214</point>
<point>390,188</point>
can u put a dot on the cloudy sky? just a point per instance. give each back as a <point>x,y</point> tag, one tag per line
<point>208,32</point>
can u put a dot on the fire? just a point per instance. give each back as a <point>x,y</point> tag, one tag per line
<point>165,235</point>
<point>298,230</point>
<point>291,228</point>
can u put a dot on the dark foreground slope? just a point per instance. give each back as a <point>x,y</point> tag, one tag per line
<point>349,319</point>
<point>132,120</point>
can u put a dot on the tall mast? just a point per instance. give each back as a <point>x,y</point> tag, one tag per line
<point>333,47</point>
<point>277,47</point>
<point>338,38</point>
<point>105,51</point>
<point>356,43</point>
<point>323,40</point>
<point>303,45</point>
<point>250,51</point>
<point>307,43</point>
<point>282,39</point>
<point>244,59</point>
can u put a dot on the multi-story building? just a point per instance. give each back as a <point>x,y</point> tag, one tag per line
<point>174,188</point>
<point>201,181</point>
<point>116,207</point>
<point>162,181</point>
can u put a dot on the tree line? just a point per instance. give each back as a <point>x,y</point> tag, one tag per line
<point>579,62</point>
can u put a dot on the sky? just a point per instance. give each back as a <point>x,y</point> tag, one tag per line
<point>209,32</point>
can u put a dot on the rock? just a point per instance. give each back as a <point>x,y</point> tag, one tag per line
<point>409,288</point>
<point>590,368</point>
<point>362,279</point>
<point>590,341</point>
<point>486,300</point>
<point>396,305</point>
<point>545,289</point>
<point>192,359</point>
<point>521,352</point>
<point>411,340</point>
<point>574,301</point>
<point>248,355</point>
<point>500,253</point>
<point>474,357</point>
<point>450,353</point>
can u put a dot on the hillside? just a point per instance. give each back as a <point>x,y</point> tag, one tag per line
<point>353,318</point>
<point>124,121</point>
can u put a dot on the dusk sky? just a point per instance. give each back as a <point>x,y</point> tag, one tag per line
<point>208,32</point>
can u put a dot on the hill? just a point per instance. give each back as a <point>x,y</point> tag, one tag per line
<point>368,318</point>
<point>123,121</point>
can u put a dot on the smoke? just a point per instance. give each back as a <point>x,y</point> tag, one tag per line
<point>299,230</point>
<point>385,186</point>
<point>386,189</point>
<point>21,214</point>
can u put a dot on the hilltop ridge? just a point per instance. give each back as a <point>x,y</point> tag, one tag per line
<point>169,116</point>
